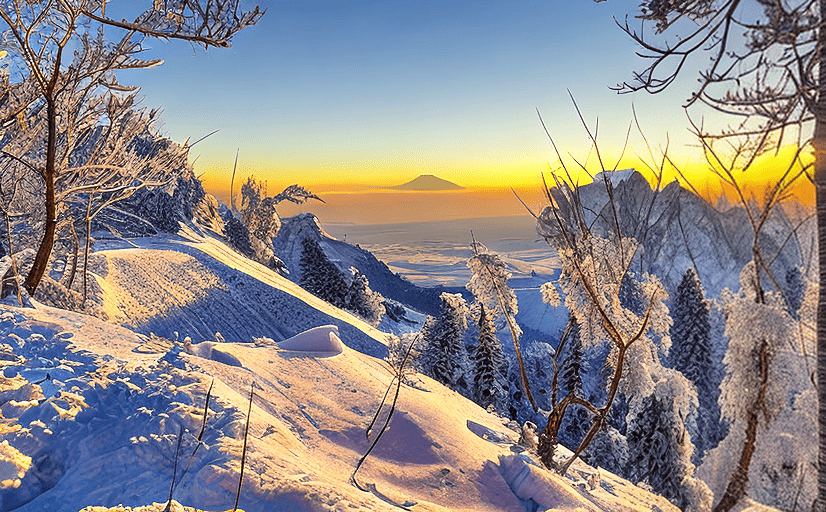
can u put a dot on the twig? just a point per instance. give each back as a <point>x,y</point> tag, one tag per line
<point>397,379</point>
<point>174,468</point>
<point>244,449</point>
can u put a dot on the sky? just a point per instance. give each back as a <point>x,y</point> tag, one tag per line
<point>341,95</point>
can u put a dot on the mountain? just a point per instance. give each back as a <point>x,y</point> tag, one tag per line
<point>428,182</point>
<point>677,229</point>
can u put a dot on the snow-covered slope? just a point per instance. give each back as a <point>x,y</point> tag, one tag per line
<point>196,286</point>
<point>102,429</point>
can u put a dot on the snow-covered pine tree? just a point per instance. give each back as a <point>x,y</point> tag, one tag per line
<point>574,364</point>
<point>238,235</point>
<point>660,447</point>
<point>363,301</point>
<point>444,356</point>
<point>652,450</point>
<point>491,368</point>
<point>631,296</point>
<point>489,284</point>
<point>537,357</point>
<point>692,355</point>
<point>320,276</point>
<point>794,290</point>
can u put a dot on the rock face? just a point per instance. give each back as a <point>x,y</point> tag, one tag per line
<point>428,182</point>
<point>677,229</point>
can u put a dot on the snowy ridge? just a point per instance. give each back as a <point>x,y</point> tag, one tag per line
<point>196,286</point>
<point>103,431</point>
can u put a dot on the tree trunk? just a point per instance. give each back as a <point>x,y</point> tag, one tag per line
<point>41,259</point>
<point>738,482</point>
<point>74,256</point>
<point>819,144</point>
<point>88,245</point>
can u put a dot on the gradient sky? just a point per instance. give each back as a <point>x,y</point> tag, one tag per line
<point>336,94</point>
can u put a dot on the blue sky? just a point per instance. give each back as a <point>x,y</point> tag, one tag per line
<point>334,93</point>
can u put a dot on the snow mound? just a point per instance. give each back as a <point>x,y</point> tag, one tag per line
<point>317,339</point>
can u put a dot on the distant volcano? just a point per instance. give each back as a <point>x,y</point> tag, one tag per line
<point>428,182</point>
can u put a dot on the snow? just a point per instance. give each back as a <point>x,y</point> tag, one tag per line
<point>102,429</point>
<point>13,466</point>
<point>317,339</point>
<point>615,177</point>
<point>193,285</point>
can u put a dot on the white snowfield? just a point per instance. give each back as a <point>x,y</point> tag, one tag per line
<point>196,286</point>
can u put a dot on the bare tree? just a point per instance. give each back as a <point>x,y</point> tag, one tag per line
<point>594,268</point>
<point>61,59</point>
<point>755,410</point>
<point>768,66</point>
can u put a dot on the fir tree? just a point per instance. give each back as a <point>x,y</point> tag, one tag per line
<point>691,355</point>
<point>444,356</point>
<point>362,300</point>
<point>491,367</point>
<point>653,448</point>
<point>574,364</point>
<point>320,276</point>
<point>238,235</point>
<point>631,296</point>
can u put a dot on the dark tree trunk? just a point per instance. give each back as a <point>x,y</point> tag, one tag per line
<point>41,259</point>
<point>819,143</point>
<point>738,482</point>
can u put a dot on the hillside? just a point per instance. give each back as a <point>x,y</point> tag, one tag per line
<point>287,246</point>
<point>93,412</point>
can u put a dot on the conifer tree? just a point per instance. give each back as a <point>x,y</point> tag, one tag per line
<point>491,367</point>
<point>574,364</point>
<point>362,300</point>
<point>444,356</point>
<point>320,276</point>
<point>653,447</point>
<point>631,296</point>
<point>691,355</point>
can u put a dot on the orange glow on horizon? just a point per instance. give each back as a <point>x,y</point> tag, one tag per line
<point>497,180</point>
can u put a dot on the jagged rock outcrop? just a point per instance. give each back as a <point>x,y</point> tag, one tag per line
<point>677,229</point>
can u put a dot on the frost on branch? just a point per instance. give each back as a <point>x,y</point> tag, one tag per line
<point>489,284</point>
<point>591,277</point>
<point>550,295</point>
<point>751,323</point>
<point>782,472</point>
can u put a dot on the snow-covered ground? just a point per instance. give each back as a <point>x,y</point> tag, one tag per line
<point>92,411</point>
<point>102,430</point>
<point>196,286</point>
